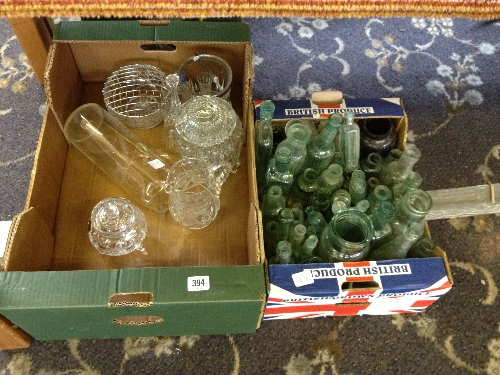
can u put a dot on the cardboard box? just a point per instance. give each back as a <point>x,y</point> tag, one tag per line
<point>353,288</point>
<point>55,284</point>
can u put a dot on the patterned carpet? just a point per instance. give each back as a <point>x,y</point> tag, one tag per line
<point>446,72</point>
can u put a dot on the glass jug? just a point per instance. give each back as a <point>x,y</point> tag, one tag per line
<point>121,154</point>
<point>194,187</point>
<point>117,227</point>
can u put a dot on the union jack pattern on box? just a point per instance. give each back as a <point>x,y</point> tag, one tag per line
<point>357,288</point>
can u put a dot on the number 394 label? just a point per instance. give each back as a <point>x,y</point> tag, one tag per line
<point>197,283</point>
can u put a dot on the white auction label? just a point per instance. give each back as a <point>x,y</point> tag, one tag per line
<point>197,283</point>
<point>156,164</point>
<point>302,278</point>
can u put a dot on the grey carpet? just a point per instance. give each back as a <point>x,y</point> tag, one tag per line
<point>447,73</point>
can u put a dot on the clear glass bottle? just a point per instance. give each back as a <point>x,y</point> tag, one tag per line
<point>347,237</point>
<point>263,141</point>
<point>297,236</point>
<point>120,153</point>
<point>372,165</point>
<point>280,172</point>
<point>332,178</point>
<point>117,227</point>
<point>363,205</point>
<point>272,202</point>
<point>423,248</point>
<point>357,186</point>
<point>412,181</point>
<point>304,187</point>
<point>380,194</point>
<point>283,253</point>
<point>306,250</point>
<point>298,134</point>
<point>411,208</point>
<point>381,219</point>
<point>349,142</point>
<point>398,247</point>
<point>341,199</point>
<point>320,148</point>
<point>396,171</point>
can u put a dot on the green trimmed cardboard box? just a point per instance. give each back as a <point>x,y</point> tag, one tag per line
<point>55,285</point>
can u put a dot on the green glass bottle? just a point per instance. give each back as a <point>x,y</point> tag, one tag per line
<point>298,214</point>
<point>357,186</point>
<point>372,165</point>
<point>396,171</point>
<point>320,148</point>
<point>398,247</point>
<point>393,155</point>
<point>411,208</point>
<point>315,219</point>
<point>332,178</point>
<point>280,172</point>
<point>298,134</point>
<point>320,201</point>
<point>304,187</point>
<point>297,235</point>
<point>347,237</point>
<point>272,202</point>
<point>263,142</point>
<point>363,205</point>
<point>423,248</point>
<point>412,181</point>
<point>380,194</point>
<point>349,142</point>
<point>285,222</point>
<point>382,228</point>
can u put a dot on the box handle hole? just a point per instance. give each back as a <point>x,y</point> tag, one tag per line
<point>359,285</point>
<point>138,299</point>
<point>138,320</point>
<point>167,47</point>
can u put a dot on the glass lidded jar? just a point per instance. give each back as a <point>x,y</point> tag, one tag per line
<point>207,127</point>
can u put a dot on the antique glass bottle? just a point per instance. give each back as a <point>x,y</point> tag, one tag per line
<point>304,187</point>
<point>283,253</point>
<point>376,135</point>
<point>306,250</point>
<point>411,208</point>
<point>315,218</point>
<point>270,238</point>
<point>320,201</point>
<point>357,186</point>
<point>298,214</point>
<point>349,142</point>
<point>396,171</point>
<point>263,141</point>
<point>298,134</point>
<point>272,202</point>
<point>320,148</point>
<point>363,205</point>
<point>340,199</point>
<point>347,237</point>
<point>297,235</point>
<point>382,228</point>
<point>412,181</point>
<point>393,155</point>
<point>380,194</point>
<point>372,165</point>
<point>398,247</point>
<point>285,223</point>
<point>332,178</point>
<point>423,248</point>
<point>280,172</point>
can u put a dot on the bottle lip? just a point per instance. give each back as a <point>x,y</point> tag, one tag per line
<point>376,127</point>
<point>363,224</point>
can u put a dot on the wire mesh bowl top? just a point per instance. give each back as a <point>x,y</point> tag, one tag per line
<point>140,95</point>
